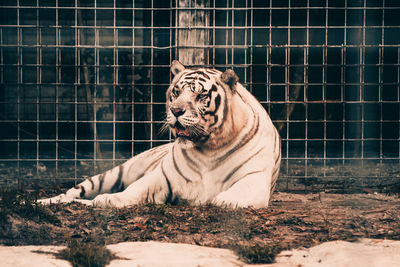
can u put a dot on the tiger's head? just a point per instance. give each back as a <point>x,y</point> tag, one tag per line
<point>198,102</point>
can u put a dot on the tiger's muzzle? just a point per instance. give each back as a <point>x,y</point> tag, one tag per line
<point>181,131</point>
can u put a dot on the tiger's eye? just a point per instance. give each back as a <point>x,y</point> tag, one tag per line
<point>175,92</point>
<point>201,97</point>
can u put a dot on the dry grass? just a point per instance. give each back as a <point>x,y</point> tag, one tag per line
<point>86,254</point>
<point>256,235</point>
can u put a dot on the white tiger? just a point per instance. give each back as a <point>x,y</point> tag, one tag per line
<point>226,150</point>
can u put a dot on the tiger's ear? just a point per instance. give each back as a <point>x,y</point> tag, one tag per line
<point>176,67</point>
<point>230,78</point>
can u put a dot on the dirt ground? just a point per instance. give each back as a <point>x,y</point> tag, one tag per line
<point>291,221</point>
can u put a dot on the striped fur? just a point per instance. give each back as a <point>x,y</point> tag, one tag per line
<point>226,150</point>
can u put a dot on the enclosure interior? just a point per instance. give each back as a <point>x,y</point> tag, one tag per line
<point>83,83</point>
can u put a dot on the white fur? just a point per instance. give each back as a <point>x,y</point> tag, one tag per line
<point>237,166</point>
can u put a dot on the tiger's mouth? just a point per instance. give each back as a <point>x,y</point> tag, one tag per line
<point>188,133</point>
<point>181,131</point>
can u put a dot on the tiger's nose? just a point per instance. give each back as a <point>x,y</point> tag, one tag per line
<point>177,111</point>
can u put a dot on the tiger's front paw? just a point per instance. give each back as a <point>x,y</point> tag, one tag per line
<point>112,200</point>
<point>224,199</point>
<point>86,202</point>
<point>64,199</point>
<point>232,200</point>
<point>55,200</point>
<point>45,201</point>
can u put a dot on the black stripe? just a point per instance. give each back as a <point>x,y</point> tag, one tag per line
<point>244,141</point>
<point>184,152</point>
<point>154,196</point>
<point>208,103</point>
<point>275,173</point>
<point>155,161</point>
<point>147,196</point>
<point>176,165</point>
<point>150,152</point>
<point>238,167</point>
<point>201,73</point>
<point>170,194</point>
<point>91,181</point>
<point>250,173</point>
<point>215,120</point>
<point>202,139</point>
<point>225,109</point>
<point>82,194</point>
<point>213,89</point>
<point>202,87</point>
<point>272,189</point>
<point>151,166</point>
<point>217,102</point>
<point>211,71</point>
<point>253,131</point>
<point>244,176</point>
<point>273,185</point>
<point>191,107</point>
<point>117,185</point>
<point>191,161</point>
<point>101,181</point>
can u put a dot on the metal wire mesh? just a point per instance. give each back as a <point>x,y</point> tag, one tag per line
<point>83,82</point>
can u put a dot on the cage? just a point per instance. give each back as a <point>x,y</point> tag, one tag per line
<point>83,83</point>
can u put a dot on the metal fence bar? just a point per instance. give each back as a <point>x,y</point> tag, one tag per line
<point>19,81</point>
<point>90,78</point>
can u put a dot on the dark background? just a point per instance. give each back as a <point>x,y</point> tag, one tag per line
<point>83,83</point>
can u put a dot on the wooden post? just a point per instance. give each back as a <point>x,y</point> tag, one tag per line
<point>193,35</point>
<point>91,108</point>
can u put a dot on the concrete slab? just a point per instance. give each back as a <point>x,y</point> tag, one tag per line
<point>174,255</point>
<point>23,256</point>
<point>366,252</point>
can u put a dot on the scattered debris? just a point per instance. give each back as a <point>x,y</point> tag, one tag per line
<point>291,221</point>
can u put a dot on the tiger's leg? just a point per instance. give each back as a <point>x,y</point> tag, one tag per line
<point>153,187</point>
<point>248,191</point>
<point>114,180</point>
<point>255,188</point>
